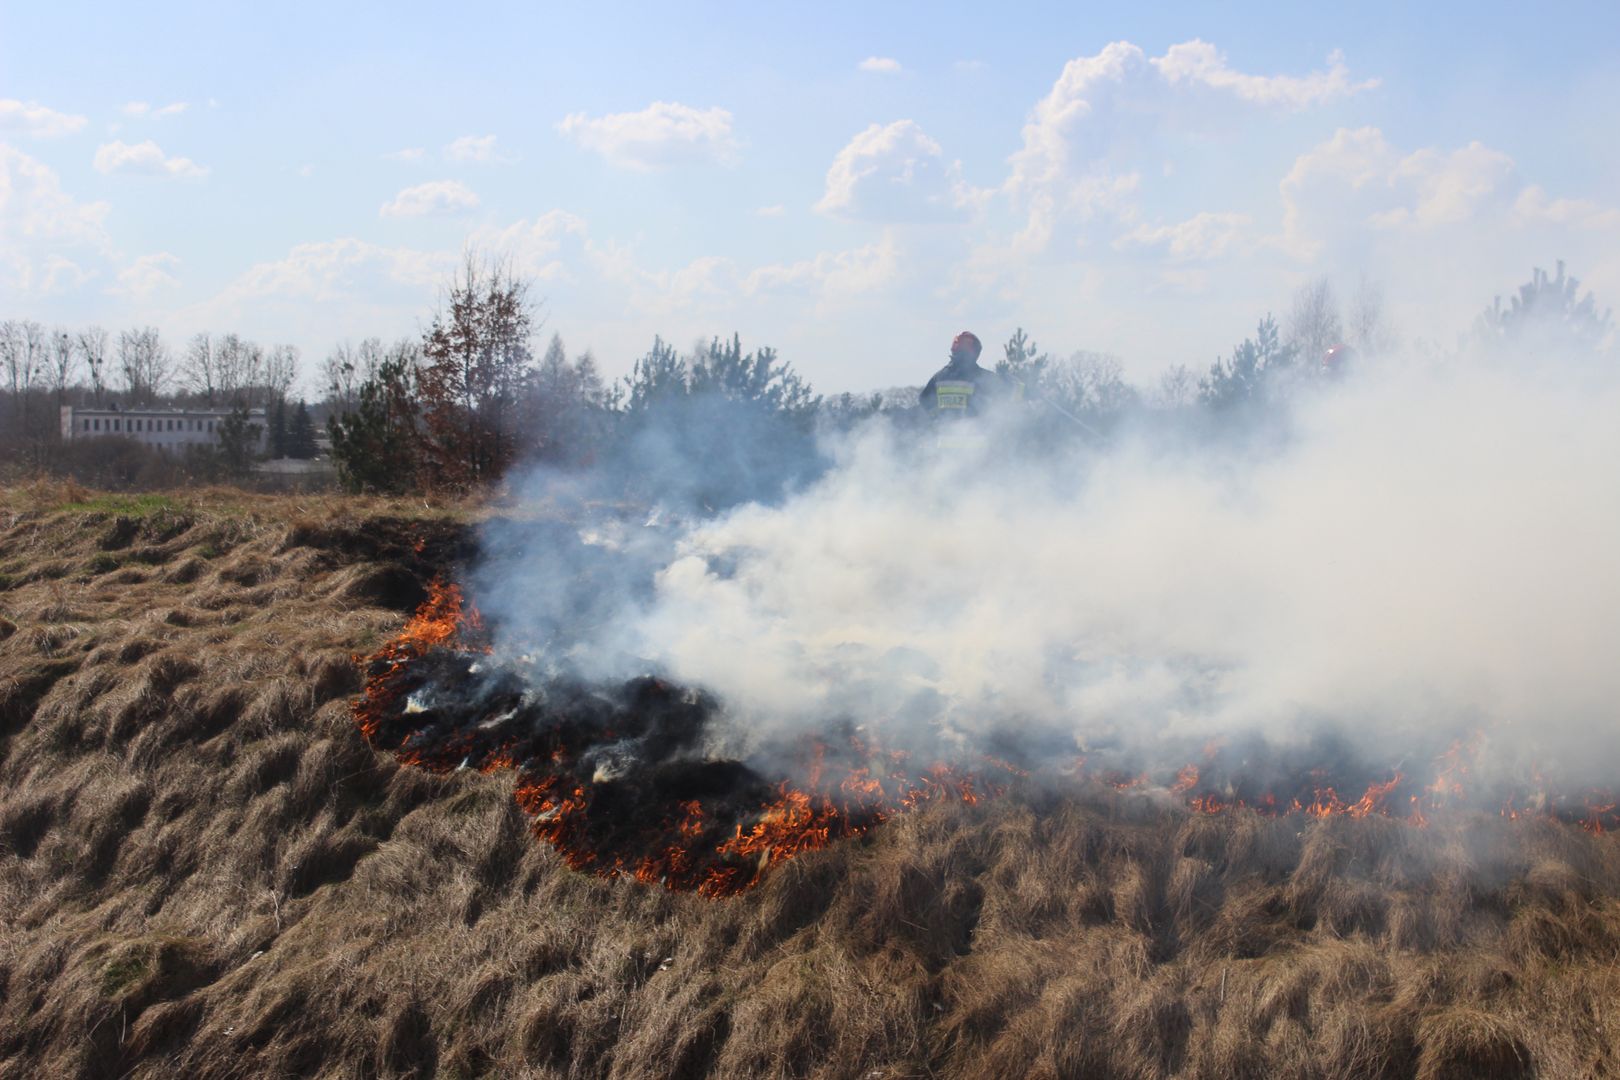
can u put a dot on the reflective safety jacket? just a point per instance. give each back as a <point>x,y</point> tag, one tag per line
<point>962,390</point>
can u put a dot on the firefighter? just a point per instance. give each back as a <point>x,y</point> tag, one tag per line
<point>962,388</point>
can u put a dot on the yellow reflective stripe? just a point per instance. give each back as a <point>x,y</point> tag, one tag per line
<point>953,394</point>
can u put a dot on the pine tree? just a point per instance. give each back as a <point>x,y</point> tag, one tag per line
<point>301,434</point>
<point>376,447</point>
<point>278,428</point>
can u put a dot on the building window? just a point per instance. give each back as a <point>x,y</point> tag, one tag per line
<point>210,425</point>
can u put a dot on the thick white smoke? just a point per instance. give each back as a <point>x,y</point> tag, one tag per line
<point>1424,550</point>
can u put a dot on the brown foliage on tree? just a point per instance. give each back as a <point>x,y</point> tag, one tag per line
<point>478,364</point>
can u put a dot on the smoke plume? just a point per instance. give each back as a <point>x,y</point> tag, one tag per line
<point>1416,554</point>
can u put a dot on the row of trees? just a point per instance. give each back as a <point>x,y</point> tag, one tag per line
<point>1547,319</point>
<point>137,367</point>
<point>456,408</point>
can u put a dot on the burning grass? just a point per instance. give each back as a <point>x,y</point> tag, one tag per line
<point>205,871</point>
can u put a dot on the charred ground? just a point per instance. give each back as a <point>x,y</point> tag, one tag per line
<point>206,871</point>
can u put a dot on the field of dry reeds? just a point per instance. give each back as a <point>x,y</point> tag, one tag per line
<point>206,872</point>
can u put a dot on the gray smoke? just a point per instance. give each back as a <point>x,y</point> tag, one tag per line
<point>1417,550</point>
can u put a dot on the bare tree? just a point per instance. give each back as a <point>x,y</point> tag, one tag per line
<point>1313,324</point>
<point>93,347</point>
<point>64,359</point>
<point>1178,387</point>
<point>199,371</point>
<point>237,363</point>
<point>349,367</point>
<point>1088,382</point>
<point>144,364</point>
<point>280,371</point>
<point>1368,330</point>
<point>22,354</point>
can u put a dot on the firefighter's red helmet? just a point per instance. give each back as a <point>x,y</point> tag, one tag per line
<point>966,344</point>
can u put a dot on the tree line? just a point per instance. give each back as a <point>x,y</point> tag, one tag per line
<point>456,407</point>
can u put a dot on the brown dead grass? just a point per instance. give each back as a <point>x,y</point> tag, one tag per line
<point>205,872</point>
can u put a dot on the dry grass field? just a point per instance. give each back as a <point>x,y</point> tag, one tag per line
<point>206,872</point>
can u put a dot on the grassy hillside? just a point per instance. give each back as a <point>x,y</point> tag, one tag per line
<point>204,871</point>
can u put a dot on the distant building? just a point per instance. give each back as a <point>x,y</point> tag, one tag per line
<point>166,429</point>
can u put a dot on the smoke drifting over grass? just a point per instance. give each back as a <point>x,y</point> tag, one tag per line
<point>1416,553</point>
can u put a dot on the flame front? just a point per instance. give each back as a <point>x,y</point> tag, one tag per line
<point>717,828</point>
<point>720,840</point>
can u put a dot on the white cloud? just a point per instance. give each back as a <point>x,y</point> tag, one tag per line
<point>883,65</point>
<point>410,153</point>
<point>1203,236</point>
<point>664,133</point>
<point>147,275</point>
<point>32,118</point>
<point>552,247</point>
<point>1048,134</point>
<point>1200,62</point>
<point>40,223</point>
<point>1358,181</point>
<point>833,275</point>
<point>893,172</point>
<point>771,211</point>
<point>306,171</point>
<point>1534,207</point>
<point>970,66</point>
<point>1049,175</point>
<point>436,198</point>
<point>478,148</point>
<point>147,158</point>
<point>1446,187</point>
<point>336,270</point>
<point>142,108</point>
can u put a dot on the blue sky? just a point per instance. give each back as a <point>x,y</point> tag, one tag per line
<point>851,183</point>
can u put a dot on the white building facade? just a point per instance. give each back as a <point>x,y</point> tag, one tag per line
<point>167,429</point>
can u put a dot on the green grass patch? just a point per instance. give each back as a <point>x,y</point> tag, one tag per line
<point>125,971</point>
<point>139,506</point>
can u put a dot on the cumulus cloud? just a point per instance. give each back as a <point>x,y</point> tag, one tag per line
<point>1048,135</point>
<point>1203,236</point>
<point>145,158</point>
<point>883,65</point>
<point>476,148</point>
<point>1201,63</point>
<point>340,270</point>
<point>892,172</point>
<point>1357,179</point>
<point>147,275</point>
<point>1067,168</point>
<point>552,247</point>
<point>771,211</point>
<point>40,223</point>
<point>832,275</point>
<point>410,153</point>
<point>664,133</point>
<point>436,198</point>
<point>143,108</point>
<point>33,119</point>
<point>1534,207</point>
